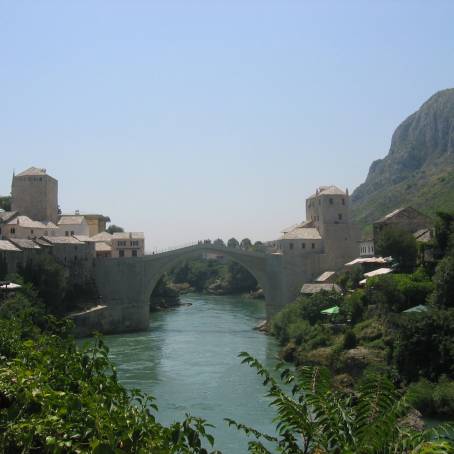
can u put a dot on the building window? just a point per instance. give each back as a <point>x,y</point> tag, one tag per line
<point>66,233</point>
<point>303,245</point>
<point>121,253</point>
<point>313,245</point>
<point>31,232</point>
<point>319,201</point>
<point>290,246</point>
<point>339,216</point>
<point>343,201</point>
<point>72,232</point>
<point>13,230</point>
<point>331,201</point>
<point>134,252</point>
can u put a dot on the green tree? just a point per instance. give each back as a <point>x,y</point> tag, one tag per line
<point>239,279</point>
<point>349,340</point>
<point>3,267</point>
<point>443,295</point>
<point>384,292</point>
<point>5,203</point>
<point>444,233</point>
<point>49,279</point>
<point>259,247</point>
<point>233,243</point>
<point>114,229</point>
<point>219,243</point>
<point>425,346</point>
<point>246,244</point>
<point>400,245</point>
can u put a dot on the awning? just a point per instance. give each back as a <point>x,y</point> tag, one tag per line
<point>419,308</point>
<point>9,286</point>
<point>331,310</point>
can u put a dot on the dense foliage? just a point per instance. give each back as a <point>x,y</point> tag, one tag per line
<point>214,276</point>
<point>374,331</point>
<point>59,287</point>
<point>56,397</point>
<point>5,203</point>
<point>399,244</point>
<point>114,229</point>
<point>318,418</point>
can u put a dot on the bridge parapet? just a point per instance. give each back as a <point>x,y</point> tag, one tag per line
<point>205,247</point>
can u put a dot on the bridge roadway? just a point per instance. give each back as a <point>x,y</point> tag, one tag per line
<point>125,284</point>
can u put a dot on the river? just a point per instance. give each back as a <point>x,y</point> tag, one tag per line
<point>188,360</point>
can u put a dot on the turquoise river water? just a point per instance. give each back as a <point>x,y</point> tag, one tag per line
<point>188,360</point>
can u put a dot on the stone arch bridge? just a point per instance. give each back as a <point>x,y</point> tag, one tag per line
<point>125,284</point>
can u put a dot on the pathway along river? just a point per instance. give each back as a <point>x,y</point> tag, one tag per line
<point>189,361</point>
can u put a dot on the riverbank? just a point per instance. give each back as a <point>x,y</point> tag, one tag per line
<point>370,332</point>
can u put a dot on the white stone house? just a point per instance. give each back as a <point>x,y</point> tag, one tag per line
<point>102,243</point>
<point>70,225</point>
<point>24,227</point>
<point>128,244</point>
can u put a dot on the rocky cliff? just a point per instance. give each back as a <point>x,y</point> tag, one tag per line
<point>419,168</point>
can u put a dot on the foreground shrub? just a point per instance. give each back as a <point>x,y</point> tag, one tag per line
<point>55,397</point>
<point>349,341</point>
<point>433,398</point>
<point>425,345</point>
<point>316,418</point>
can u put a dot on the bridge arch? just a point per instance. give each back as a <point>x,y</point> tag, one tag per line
<point>155,266</point>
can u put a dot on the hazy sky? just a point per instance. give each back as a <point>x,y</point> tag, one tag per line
<point>204,119</point>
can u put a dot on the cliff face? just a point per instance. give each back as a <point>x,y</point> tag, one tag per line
<point>419,168</point>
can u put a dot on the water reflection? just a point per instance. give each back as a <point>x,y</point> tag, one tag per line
<point>189,361</point>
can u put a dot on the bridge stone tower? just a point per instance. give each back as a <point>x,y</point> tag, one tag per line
<point>35,194</point>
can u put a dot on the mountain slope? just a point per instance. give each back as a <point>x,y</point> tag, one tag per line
<point>419,168</point>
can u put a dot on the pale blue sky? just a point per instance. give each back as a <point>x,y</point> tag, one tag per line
<point>198,119</point>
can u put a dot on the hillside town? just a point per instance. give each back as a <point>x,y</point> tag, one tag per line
<point>35,225</point>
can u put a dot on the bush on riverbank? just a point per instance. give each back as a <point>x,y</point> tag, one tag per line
<point>433,398</point>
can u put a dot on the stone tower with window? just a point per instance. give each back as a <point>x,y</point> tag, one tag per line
<point>34,193</point>
<point>329,210</point>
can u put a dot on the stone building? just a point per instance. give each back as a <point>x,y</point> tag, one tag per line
<point>102,242</point>
<point>5,217</point>
<point>327,238</point>
<point>70,225</point>
<point>96,223</point>
<point>69,250</point>
<point>24,227</point>
<point>128,244</point>
<point>10,258</point>
<point>34,193</point>
<point>408,219</point>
